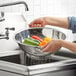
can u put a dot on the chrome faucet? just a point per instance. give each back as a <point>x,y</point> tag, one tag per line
<point>2,16</point>
<point>15,3</point>
<point>10,4</point>
<point>6,35</point>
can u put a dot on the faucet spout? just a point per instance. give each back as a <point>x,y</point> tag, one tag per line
<point>15,3</point>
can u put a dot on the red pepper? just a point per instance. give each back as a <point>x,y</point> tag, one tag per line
<point>37,38</point>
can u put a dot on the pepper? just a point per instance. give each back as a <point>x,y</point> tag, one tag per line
<point>30,41</point>
<point>45,41</point>
<point>42,43</point>
<point>36,37</point>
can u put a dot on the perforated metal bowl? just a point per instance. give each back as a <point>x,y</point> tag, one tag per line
<point>41,32</point>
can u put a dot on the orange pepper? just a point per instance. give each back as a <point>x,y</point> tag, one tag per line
<point>43,43</point>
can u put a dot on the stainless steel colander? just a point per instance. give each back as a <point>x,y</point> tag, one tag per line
<point>41,32</point>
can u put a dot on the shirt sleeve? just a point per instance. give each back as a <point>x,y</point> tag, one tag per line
<point>72,24</point>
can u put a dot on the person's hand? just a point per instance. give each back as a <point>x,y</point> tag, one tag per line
<point>40,22</point>
<point>52,46</point>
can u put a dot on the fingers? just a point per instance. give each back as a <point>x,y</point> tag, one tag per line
<point>52,46</point>
<point>38,25</point>
<point>32,23</point>
<point>45,45</point>
<point>47,48</point>
<point>35,25</point>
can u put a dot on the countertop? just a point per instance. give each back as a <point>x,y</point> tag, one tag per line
<point>10,52</point>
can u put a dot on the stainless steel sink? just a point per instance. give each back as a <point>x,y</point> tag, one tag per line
<point>61,63</point>
<point>60,68</point>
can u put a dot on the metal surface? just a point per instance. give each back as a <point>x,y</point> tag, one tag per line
<point>52,67</point>
<point>13,68</point>
<point>2,16</point>
<point>29,60</point>
<point>34,51</point>
<point>15,3</point>
<point>6,35</point>
<point>56,65</point>
<point>40,70</point>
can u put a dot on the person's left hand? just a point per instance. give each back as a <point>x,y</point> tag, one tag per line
<point>52,46</point>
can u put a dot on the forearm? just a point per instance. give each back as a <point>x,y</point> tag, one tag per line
<point>69,45</point>
<point>60,22</point>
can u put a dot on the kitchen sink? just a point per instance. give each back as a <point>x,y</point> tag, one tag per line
<point>56,65</point>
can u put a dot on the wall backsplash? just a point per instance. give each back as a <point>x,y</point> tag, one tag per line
<point>44,8</point>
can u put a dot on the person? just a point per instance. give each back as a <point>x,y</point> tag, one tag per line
<point>55,44</point>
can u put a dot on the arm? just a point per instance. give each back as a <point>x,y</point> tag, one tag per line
<point>70,23</point>
<point>69,45</point>
<point>56,44</point>
<point>55,21</point>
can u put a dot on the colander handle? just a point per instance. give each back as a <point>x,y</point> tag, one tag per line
<point>15,3</point>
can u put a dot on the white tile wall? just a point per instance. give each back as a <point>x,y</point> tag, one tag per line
<point>62,7</point>
<point>44,8</point>
<point>37,2</point>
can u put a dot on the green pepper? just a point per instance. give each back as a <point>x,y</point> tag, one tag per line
<point>30,41</point>
<point>34,40</point>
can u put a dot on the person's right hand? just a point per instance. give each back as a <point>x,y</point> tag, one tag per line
<point>53,45</point>
<point>40,22</point>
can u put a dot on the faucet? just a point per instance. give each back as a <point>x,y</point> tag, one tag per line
<point>2,16</point>
<point>10,4</point>
<point>15,3</point>
<point>6,35</point>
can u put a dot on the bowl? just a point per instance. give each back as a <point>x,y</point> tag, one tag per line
<point>41,32</point>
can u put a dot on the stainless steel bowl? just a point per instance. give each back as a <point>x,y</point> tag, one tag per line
<point>41,32</point>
